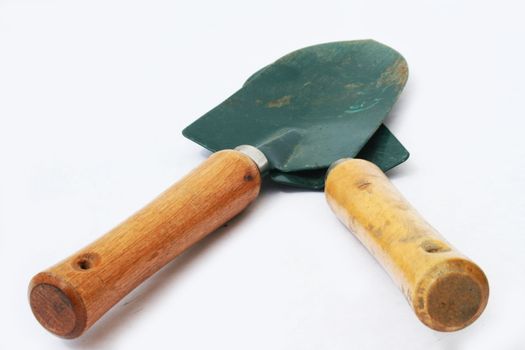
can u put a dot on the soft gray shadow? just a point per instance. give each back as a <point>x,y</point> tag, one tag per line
<point>113,324</point>
<point>205,153</point>
<point>400,171</point>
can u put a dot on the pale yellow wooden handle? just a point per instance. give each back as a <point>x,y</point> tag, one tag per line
<point>70,296</point>
<point>446,290</point>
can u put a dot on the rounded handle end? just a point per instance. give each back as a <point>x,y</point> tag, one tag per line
<point>452,295</point>
<point>57,306</point>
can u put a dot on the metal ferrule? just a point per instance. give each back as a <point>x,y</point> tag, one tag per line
<point>257,156</point>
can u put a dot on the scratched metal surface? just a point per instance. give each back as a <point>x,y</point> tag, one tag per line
<point>310,107</point>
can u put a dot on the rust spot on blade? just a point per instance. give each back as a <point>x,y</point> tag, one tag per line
<point>278,103</point>
<point>396,74</point>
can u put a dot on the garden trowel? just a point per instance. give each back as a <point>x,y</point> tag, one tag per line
<point>290,121</point>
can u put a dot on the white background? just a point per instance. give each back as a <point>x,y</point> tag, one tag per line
<point>93,98</point>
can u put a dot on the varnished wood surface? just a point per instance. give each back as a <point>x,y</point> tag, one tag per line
<point>446,290</point>
<point>71,295</point>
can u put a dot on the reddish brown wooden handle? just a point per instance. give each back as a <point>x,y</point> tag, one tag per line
<point>70,296</point>
<point>446,290</point>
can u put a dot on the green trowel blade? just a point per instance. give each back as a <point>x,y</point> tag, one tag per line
<point>382,149</point>
<point>310,107</point>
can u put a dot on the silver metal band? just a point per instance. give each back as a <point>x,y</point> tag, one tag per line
<point>257,156</point>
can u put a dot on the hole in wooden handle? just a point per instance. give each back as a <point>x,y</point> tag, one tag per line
<point>434,247</point>
<point>86,261</point>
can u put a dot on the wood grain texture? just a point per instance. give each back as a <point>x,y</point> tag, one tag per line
<point>70,296</point>
<point>446,290</point>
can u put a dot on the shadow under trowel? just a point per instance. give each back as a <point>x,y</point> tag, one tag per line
<point>400,171</point>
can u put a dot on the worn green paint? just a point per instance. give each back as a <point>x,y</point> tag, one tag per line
<point>312,107</point>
